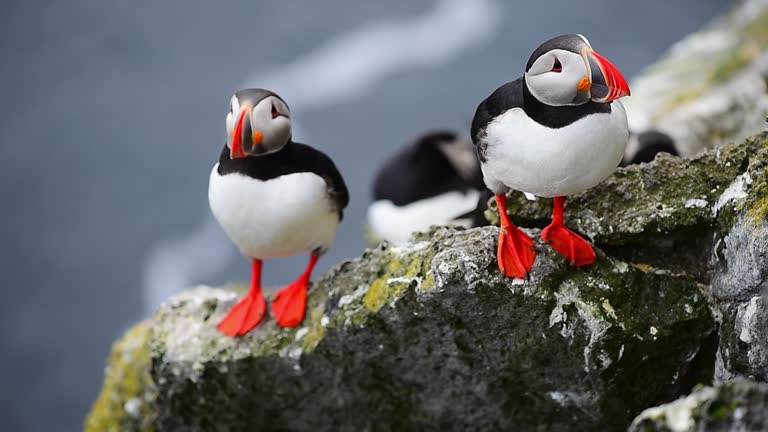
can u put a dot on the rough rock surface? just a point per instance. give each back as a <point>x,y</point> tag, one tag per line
<point>707,217</point>
<point>711,88</point>
<point>126,402</point>
<point>737,406</point>
<point>430,336</point>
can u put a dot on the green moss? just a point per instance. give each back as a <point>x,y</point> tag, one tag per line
<point>757,30</point>
<point>126,399</point>
<point>429,282</point>
<point>732,62</point>
<point>316,329</point>
<point>759,209</point>
<point>679,98</point>
<point>719,409</point>
<point>752,41</point>
<point>377,295</point>
<point>402,273</point>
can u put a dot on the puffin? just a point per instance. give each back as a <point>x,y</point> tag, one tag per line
<point>556,131</point>
<point>434,180</point>
<point>644,147</point>
<point>273,197</point>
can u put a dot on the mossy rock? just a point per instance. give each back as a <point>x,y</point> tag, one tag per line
<point>126,401</point>
<point>429,335</point>
<point>741,405</point>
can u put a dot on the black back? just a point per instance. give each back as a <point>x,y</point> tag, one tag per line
<point>651,143</point>
<point>421,171</point>
<point>293,158</point>
<point>515,94</point>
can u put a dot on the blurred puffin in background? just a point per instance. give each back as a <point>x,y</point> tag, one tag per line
<point>273,197</point>
<point>644,147</point>
<point>556,131</point>
<point>435,180</point>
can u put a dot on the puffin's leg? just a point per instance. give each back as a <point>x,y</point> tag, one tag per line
<point>575,249</point>
<point>515,253</point>
<point>290,303</point>
<point>247,313</point>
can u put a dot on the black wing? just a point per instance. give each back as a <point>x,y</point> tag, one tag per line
<point>649,144</point>
<point>319,163</point>
<point>506,97</point>
<point>419,171</point>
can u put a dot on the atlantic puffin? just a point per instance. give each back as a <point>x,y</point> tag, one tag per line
<point>644,146</point>
<point>556,131</point>
<point>273,197</point>
<point>435,180</point>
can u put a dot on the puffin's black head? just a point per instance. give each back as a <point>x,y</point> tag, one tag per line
<point>566,71</point>
<point>258,123</point>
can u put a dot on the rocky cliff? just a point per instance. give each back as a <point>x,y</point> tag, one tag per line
<point>429,335</point>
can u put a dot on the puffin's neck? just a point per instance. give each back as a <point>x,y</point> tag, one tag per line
<point>558,116</point>
<point>250,163</point>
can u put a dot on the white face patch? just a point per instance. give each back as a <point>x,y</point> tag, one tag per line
<point>272,118</point>
<point>558,88</point>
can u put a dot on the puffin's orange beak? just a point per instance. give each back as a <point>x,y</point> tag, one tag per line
<point>606,81</point>
<point>244,137</point>
<point>236,151</point>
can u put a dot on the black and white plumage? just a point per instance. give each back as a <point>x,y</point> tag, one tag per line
<point>549,149</point>
<point>435,180</point>
<point>644,147</point>
<point>273,197</point>
<point>556,131</point>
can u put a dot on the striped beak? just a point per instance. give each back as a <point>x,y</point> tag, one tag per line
<point>245,139</point>
<point>606,81</point>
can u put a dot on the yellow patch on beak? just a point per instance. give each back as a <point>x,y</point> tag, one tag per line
<point>584,84</point>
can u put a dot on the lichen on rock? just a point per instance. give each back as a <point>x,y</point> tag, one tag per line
<point>126,402</point>
<point>737,406</point>
<point>429,333</point>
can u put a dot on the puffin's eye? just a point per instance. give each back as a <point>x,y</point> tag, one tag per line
<point>557,67</point>
<point>275,113</point>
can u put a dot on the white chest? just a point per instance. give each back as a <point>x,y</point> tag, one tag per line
<point>396,223</point>
<point>284,216</point>
<point>529,157</point>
